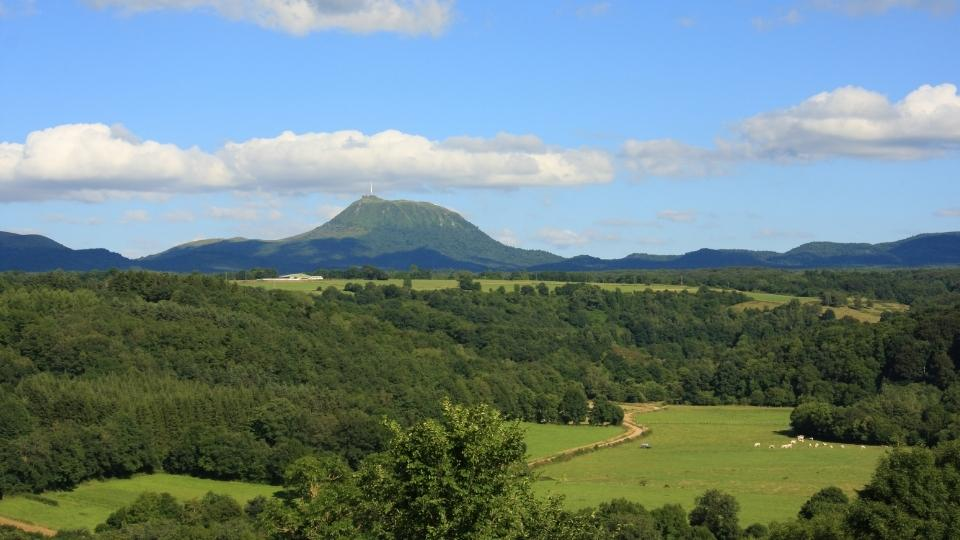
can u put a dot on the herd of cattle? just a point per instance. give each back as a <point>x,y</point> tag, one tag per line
<point>804,441</point>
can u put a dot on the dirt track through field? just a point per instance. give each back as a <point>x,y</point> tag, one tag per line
<point>633,431</point>
<point>29,527</point>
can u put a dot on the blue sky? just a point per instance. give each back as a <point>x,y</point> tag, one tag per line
<point>579,127</point>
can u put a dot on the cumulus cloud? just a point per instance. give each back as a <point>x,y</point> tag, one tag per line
<point>84,161</point>
<point>345,161</point>
<point>95,162</point>
<point>561,238</point>
<point>849,122</point>
<point>565,238</point>
<point>508,237</point>
<point>677,216</point>
<point>789,18</point>
<point>301,17</point>
<point>667,157</point>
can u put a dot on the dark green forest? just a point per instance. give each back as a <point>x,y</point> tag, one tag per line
<point>110,374</point>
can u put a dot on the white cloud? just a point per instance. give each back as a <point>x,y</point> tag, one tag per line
<point>849,122</point>
<point>234,214</point>
<point>346,161</point>
<point>508,237</point>
<point>564,238</point>
<point>789,18</point>
<point>95,162</point>
<point>667,157</point>
<point>135,216</point>
<point>561,238</point>
<point>948,212</point>
<point>301,17</point>
<point>677,216</point>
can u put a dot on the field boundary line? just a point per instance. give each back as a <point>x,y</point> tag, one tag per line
<point>632,432</point>
<point>28,527</point>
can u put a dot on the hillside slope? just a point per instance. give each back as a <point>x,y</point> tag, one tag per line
<point>387,234</point>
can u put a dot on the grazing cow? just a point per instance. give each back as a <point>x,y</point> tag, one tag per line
<point>786,446</point>
<point>862,447</point>
<point>756,445</point>
<point>816,445</point>
<point>842,446</point>
<point>831,446</point>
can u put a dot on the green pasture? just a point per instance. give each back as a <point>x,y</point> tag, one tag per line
<point>547,439</point>
<point>436,284</point>
<point>694,449</point>
<point>91,502</point>
<point>508,284</point>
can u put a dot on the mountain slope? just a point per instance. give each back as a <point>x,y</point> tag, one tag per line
<point>35,253</point>
<point>935,249</point>
<point>389,234</point>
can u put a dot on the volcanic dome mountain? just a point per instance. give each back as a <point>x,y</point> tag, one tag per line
<point>397,234</point>
<point>387,234</point>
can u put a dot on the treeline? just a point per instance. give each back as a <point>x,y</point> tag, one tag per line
<point>463,476</point>
<point>106,374</point>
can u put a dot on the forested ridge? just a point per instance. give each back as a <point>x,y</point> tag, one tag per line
<point>108,374</point>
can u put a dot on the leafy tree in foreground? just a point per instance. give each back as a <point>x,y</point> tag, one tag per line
<point>717,511</point>
<point>460,476</point>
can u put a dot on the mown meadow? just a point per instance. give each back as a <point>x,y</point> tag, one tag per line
<point>90,503</point>
<point>694,449</point>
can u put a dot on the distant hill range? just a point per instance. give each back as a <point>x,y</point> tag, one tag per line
<point>398,234</point>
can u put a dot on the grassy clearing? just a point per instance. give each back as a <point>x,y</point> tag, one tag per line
<point>763,301</point>
<point>548,439</point>
<point>90,503</point>
<point>436,284</point>
<point>699,448</point>
<point>758,300</point>
<point>508,284</point>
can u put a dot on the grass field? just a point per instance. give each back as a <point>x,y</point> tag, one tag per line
<point>90,503</point>
<point>547,439</point>
<point>758,300</point>
<point>436,284</point>
<point>699,448</point>
<point>863,314</point>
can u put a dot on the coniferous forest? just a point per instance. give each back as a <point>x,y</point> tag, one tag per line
<point>361,403</point>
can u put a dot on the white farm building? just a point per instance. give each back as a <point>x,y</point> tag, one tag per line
<point>294,277</point>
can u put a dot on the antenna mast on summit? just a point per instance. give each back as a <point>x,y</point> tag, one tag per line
<point>371,188</point>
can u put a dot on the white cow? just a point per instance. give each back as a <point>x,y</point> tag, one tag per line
<point>800,438</point>
<point>756,445</point>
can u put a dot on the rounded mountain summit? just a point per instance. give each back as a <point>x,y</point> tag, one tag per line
<point>379,232</point>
